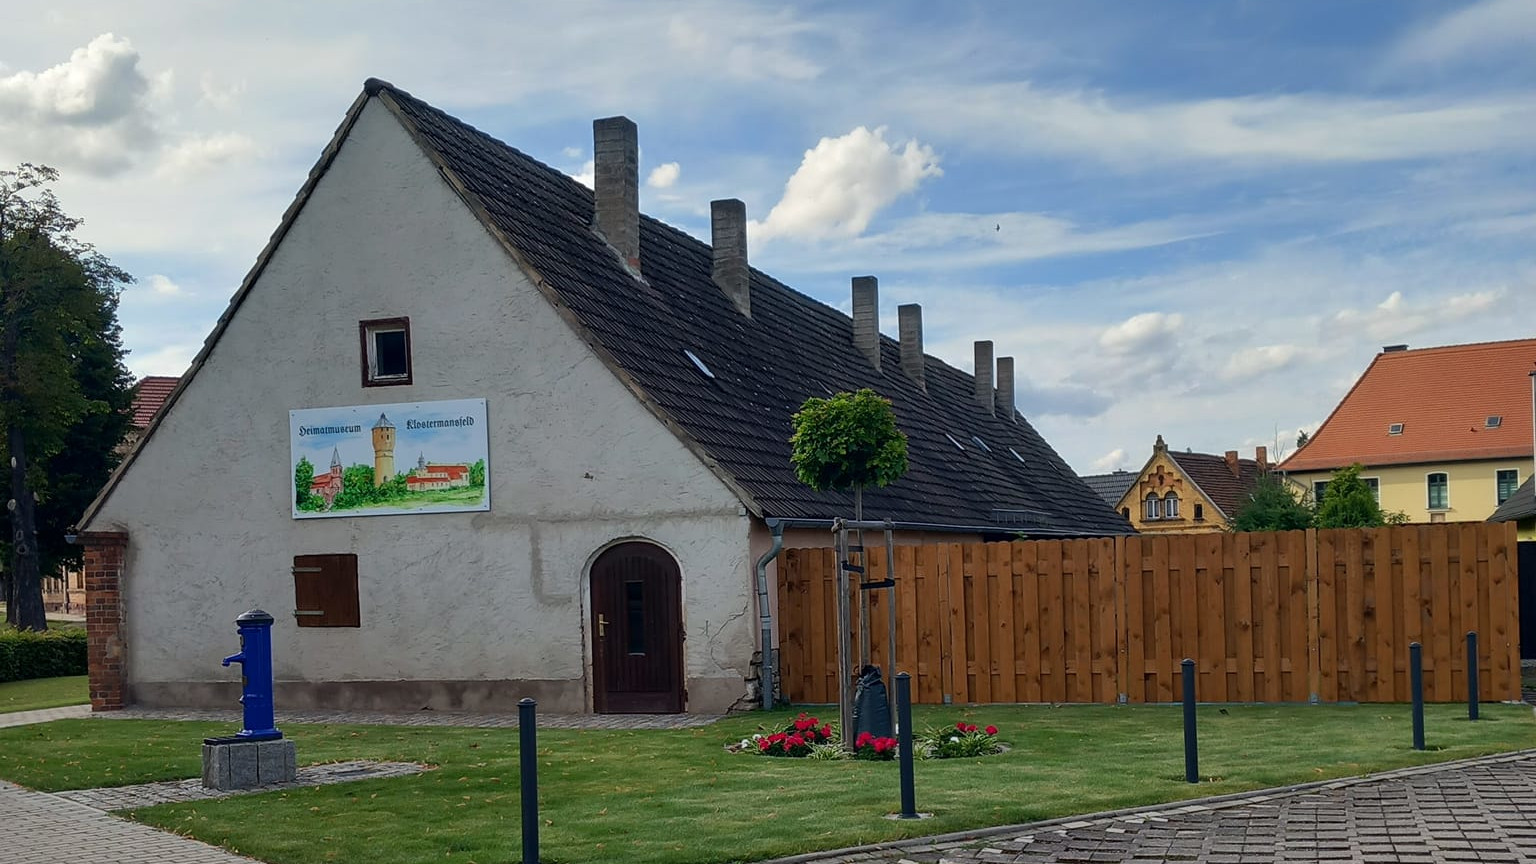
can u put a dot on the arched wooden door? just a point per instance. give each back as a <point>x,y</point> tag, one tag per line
<point>637,629</point>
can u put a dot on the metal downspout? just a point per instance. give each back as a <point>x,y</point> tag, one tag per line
<point>765,615</point>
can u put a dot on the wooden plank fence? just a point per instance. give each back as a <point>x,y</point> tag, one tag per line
<point>1294,616</point>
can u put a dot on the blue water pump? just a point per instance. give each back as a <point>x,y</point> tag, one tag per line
<point>255,659</point>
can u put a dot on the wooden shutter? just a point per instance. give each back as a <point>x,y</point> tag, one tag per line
<point>325,591</point>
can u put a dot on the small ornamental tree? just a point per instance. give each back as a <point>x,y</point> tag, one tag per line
<point>849,441</point>
<point>1349,503</point>
<point>1273,506</point>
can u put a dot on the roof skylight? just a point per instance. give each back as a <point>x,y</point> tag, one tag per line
<point>1395,429</point>
<point>982,444</point>
<point>1494,421</point>
<point>699,364</point>
<point>958,445</point>
<point>1015,454</point>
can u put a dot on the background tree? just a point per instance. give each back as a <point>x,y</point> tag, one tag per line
<point>60,366</point>
<point>1348,502</point>
<point>1273,506</point>
<point>1302,438</point>
<point>849,441</point>
<point>303,479</point>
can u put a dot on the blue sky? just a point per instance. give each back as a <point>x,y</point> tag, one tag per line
<point>1192,219</point>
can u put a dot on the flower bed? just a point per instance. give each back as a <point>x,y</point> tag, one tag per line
<point>799,740</point>
<point>960,741</point>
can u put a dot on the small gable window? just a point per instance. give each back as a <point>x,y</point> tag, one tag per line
<point>1126,512</point>
<point>1171,506</point>
<point>1154,507</point>
<point>1439,491</point>
<point>386,351</point>
<point>1199,512</point>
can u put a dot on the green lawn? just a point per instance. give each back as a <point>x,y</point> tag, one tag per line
<point>39,693</point>
<point>677,796</point>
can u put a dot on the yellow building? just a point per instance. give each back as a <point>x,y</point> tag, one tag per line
<point>1444,433</point>
<point>1186,493</point>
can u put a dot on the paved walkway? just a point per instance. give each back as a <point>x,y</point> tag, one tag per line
<point>44,715</point>
<point>1476,810</point>
<point>41,827</point>
<point>428,718</point>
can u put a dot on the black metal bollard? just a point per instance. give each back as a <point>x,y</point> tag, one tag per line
<point>904,744</point>
<point>1471,674</point>
<point>1416,685</point>
<point>1191,746</point>
<point>528,759</point>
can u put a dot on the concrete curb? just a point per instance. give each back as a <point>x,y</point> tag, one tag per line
<point>1191,805</point>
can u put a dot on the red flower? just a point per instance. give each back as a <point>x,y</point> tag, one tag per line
<point>960,726</point>
<point>826,731</point>
<point>971,728</point>
<point>864,738</point>
<point>991,730</point>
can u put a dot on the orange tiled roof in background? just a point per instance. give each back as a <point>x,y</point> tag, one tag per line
<point>148,395</point>
<point>1442,396</point>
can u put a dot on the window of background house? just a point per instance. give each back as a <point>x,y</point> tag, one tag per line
<point>1154,507</point>
<point>1126,512</point>
<point>1171,506</point>
<point>325,591</point>
<point>1439,491</point>
<point>1375,484</point>
<point>1508,482</point>
<point>1318,488</point>
<point>386,344</point>
<point>1199,512</point>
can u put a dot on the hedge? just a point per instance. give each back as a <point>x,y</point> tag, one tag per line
<point>29,654</point>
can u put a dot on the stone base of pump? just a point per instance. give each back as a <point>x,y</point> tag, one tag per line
<point>235,764</point>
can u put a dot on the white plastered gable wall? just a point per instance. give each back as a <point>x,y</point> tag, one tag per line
<point>576,462</point>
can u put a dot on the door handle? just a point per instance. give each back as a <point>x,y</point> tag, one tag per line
<point>602,626</point>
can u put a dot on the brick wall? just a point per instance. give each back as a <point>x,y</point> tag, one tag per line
<point>104,551</point>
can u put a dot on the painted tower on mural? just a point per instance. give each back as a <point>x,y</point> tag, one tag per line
<point>383,451</point>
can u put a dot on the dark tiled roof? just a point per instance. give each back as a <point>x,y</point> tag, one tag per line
<point>1111,487</point>
<point>1521,505</point>
<point>764,366</point>
<point>1214,477</point>
<point>148,395</point>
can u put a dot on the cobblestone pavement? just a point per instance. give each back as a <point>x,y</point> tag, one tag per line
<point>43,715</point>
<point>181,791</point>
<point>428,718</point>
<point>41,827</point>
<point>1478,810</point>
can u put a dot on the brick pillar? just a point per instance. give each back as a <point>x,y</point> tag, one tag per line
<point>104,618</point>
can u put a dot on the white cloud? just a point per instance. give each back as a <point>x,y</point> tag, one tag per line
<point>1253,362</point>
<point>664,176</point>
<point>163,360</point>
<point>1111,460</point>
<point>1475,32</point>
<point>1149,331</point>
<point>162,286</point>
<point>1299,128</point>
<point>193,156</point>
<point>587,176</point>
<point>759,50</point>
<point>1396,318</point>
<point>92,111</point>
<point>842,183</point>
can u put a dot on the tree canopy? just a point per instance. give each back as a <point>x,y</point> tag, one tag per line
<point>1348,502</point>
<point>63,388</point>
<point>1273,506</point>
<point>849,441</point>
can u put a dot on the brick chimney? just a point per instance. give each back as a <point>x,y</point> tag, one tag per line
<point>909,326</point>
<point>1232,464</point>
<point>728,233</point>
<point>1261,456</point>
<point>866,317</point>
<point>1005,388</point>
<point>984,393</point>
<point>616,174</point>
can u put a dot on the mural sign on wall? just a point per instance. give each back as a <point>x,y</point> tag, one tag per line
<point>379,460</point>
